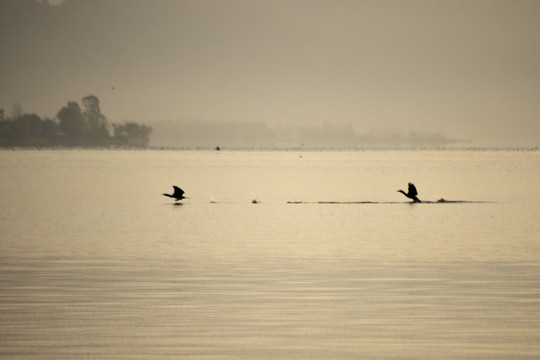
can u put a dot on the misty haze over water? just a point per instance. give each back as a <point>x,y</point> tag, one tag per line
<point>468,70</point>
<point>199,134</point>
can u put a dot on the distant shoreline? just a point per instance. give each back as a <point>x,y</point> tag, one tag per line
<point>276,149</point>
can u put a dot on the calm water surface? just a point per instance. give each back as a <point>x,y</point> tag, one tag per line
<point>96,264</point>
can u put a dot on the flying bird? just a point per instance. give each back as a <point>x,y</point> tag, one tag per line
<point>178,194</point>
<point>411,194</point>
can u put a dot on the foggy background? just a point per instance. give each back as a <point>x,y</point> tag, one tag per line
<point>461,69</point>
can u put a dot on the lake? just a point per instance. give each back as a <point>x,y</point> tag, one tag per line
<point>332,264</point>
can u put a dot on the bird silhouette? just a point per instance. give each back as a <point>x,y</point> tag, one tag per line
<point>411,194</point>
<point>178,194</point>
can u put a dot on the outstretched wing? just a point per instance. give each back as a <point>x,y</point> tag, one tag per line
<point>178,192</point>
<point>412,190</point>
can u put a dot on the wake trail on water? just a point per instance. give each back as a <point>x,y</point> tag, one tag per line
<point>389,202</point>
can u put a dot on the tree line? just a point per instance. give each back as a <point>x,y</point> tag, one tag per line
<point>73,126</point>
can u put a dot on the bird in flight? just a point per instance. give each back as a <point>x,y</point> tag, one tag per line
<point>412,193</point>
<point>178,194</point>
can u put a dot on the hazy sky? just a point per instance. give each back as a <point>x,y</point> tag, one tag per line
<point>470,69</point>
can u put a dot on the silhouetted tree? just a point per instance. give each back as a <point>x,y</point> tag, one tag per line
<point>97,122</point>
<point>27,126</point>
<point>72,122</point>
<point>5,129</point>
<point>25,130</point>
<point>74,127</point>
<point>132,134</point>
<point>50,129</point>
